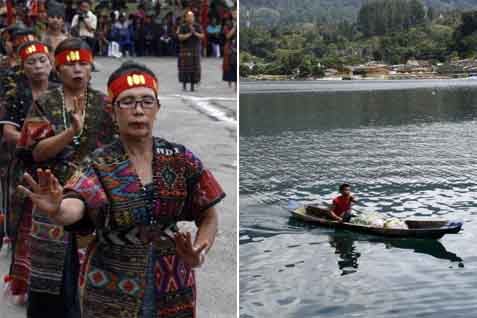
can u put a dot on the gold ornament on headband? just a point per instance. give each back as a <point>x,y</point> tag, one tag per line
<point>136,79</point>
<point>73,56</point>
<point>129,80</point>
<point>31,49</point>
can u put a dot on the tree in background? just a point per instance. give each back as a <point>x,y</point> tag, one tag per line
<point>383,17</point>
<point>465,35</point>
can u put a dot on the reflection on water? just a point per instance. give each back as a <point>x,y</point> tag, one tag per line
<point>348,256</point>
<point>407,153</point>
<point>275,113</point>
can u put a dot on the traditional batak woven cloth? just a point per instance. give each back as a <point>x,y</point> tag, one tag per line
<point>189,56</point>
<point>48,117</point>
<point>135,226</point>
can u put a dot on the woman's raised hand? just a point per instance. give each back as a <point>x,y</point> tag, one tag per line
<point>193,256</point>
<point>47,192</point>
<point>78,115</point>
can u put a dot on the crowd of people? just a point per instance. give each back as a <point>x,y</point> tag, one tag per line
<point>113,29</point>
<point>85,182</point>
<point>147,30</point>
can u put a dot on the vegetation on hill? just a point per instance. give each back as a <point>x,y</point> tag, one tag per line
<point>391,31</point>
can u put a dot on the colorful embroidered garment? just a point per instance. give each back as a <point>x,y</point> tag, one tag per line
<point>17,102</point>
<point>134,229</point>
<point>47,118</point>
<point>189,56</point>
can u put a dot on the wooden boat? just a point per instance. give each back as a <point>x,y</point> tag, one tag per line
<point>432,229</point>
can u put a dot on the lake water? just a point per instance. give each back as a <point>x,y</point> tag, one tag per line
<point>408,149</point>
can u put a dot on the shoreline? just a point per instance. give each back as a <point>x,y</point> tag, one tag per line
<point>250,87</point>
<point>395,77</point>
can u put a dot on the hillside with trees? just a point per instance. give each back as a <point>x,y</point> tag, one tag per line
<point>389,31</point>
<point>273,12</point>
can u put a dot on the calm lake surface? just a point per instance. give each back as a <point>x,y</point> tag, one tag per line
<point>408,148</point>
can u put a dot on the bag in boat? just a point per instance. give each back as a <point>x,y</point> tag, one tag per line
<point>368,219</point>
<point>395,224</point>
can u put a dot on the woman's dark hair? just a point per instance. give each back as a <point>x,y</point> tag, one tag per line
<point>71,44</point>
<point>130,66</point>
<point>344,186</point>
<point>22,32</point>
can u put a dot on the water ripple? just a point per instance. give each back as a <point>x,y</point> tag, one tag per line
<point>422,164</point>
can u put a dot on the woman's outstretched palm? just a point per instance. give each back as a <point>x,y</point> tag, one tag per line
<point>186,250</point>
<point>47,192</point>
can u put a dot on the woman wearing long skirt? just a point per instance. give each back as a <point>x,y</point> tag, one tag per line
<point>190,35</point>
<point>10,69</point>
<point>64,126</point>
<point>19,95</point>
<point>132,193</point>
<point>230,51</point>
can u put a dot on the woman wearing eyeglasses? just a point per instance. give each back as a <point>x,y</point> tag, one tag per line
<point>132,193</point>
<point>64,126</point>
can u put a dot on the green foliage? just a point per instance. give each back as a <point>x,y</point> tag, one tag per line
<point>257,42</point>
<point>384,17</point>
<point>391,31</point>
<point>297,12</point>
<point>465,36</point>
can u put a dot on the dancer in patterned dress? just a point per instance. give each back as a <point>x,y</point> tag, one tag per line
<point>30,84</point>
<point>7,62</point>
<point>132,193</point>
<point>64,126</point>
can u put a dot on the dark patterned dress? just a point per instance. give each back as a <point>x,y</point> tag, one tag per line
<point>17,102</point>
<point>54,259</point>
<point>132,269</point>
<point>8,76</point>
<point>189,56</point>
<point>230,57</point>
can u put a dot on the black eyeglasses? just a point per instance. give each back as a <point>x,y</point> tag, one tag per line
<point>147,102</point>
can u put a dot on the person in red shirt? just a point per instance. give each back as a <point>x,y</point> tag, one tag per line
<point>341,207</point>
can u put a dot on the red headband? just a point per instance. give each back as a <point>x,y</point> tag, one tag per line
<point>130,80</point>
<point>33,49</point>
<point>71,56</point>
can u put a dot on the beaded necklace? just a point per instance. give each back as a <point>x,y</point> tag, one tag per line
<point>76,139</point>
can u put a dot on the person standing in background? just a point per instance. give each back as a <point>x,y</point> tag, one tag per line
<point>167,38</point>
<point>123,34</point>
<point>213,33</point>
<point>84,24</point>
<point>230,50</point>
<point>56,23</point>
<point>190,36</point>
<point>39,17</point>
<point>102,33</point>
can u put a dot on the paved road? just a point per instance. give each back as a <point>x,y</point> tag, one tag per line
<point>205,121</point>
